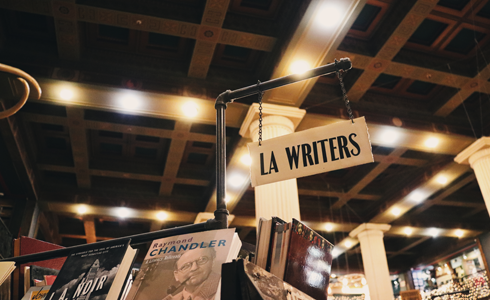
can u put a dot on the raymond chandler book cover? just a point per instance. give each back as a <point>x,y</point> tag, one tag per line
<point>184,266</point>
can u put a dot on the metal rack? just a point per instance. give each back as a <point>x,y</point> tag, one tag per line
<point>221,213</point>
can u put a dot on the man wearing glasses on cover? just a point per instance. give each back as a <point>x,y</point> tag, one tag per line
<point>193,270</point>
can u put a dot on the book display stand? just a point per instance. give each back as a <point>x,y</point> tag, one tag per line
<point>221,214</point>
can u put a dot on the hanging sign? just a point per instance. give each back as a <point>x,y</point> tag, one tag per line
<point>313,151</point>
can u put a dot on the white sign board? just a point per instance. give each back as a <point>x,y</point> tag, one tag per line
<point>313,151</point>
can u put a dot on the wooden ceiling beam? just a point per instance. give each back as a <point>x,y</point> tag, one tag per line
<point>380,168</point>
<point>66,27</point>
<point>89,226</point>
<point>378,64</point>
<point>174,157</point>
<point>79,145</point>
<point>405,249</point>
<point>125,175</point>
<point>439,200</point>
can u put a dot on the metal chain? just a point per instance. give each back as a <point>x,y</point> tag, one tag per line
<point>344,92</point>
<point>260,112</point>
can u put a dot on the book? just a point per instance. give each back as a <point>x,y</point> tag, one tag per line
<point>185,265</point>
<point>6,268</point>
<point>98,271</point>
<point>242,280</point>
<point>36,293</point>
<point>309,261</point>
<point>298,255</point>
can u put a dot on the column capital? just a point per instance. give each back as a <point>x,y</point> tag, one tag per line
<point>465,156</point>
<point>293,113</point>
<point>369,226</point>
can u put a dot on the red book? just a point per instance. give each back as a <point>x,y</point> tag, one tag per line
<point>309,261</point>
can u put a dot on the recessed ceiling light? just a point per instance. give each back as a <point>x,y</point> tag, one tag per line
<point>396,211</point>
<point>328,227</point>
<point>417,196</point>
<point>459,233</point>
<point>246,160</point>
<point>161,215</point>
<point>81,209</point>
<point>66,94</point>
<point>129,102</point>
<point>434,232</point>
<point>348,244</point>
<point>123,212</point>
<point>389,136</point>
<point>335,252</point>
<point>441,179</point>
<point>236,180</point>
<point>408,231</point>
<point>299,67</point>
<point>190,109</point>
<point>329,15</point>
<point>431,142</point>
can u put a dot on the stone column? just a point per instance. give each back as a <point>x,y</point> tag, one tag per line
<point>370,236</point>
<point>477,155</point>
<point>278,199</point>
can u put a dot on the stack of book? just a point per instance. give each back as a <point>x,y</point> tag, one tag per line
<point>295,253</point>
<point>181,266</point>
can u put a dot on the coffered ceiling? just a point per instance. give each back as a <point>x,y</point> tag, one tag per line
<point>420,71</point>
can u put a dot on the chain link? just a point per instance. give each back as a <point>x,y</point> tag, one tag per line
<point>260,112</point>
<point>344,92</point>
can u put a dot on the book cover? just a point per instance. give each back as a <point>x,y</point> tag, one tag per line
<point>309,261</point>
<point>36,292</point>
<point>94,273</point>
<point>6,268</point>
<point>242,280</point>
<point>186,265</point>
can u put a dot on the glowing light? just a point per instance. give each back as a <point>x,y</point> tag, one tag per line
<point>129,102</point>
<point>299,67</point>
<point>333,275</point>
<point>227,198</point>
<point>335,252</point>
<point>364,281</point>
<point>389,136</point>
<point>345,281</point>
<point>329,15</point>
<point>434,232</point>
<point>417,196</point>
<point>464,256</point>
<point>459,233</point>
<point>190,109</point>
<point>82,209</point>
<point>348,244</point>
<point>328,227</point>
<point>396,211</point>
<point>236,180</point>
<point>66,94</point>
<point>431,142</point>
<point>162,215</point>
<point>442,179</point>
<point>408,231</point>
<point>329,291</point>
<point>123,212</point>
<point>246,160</point>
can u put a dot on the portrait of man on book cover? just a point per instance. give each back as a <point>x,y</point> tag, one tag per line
<point>186,267</point>
<point>194,273</point>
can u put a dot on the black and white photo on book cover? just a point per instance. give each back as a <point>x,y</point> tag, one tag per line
<point>184,267</point>
<point>89,274</point>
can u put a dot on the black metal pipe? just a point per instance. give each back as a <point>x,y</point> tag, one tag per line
<point>221,213</point>
<point>344,64</point>
<point>135,239</point>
